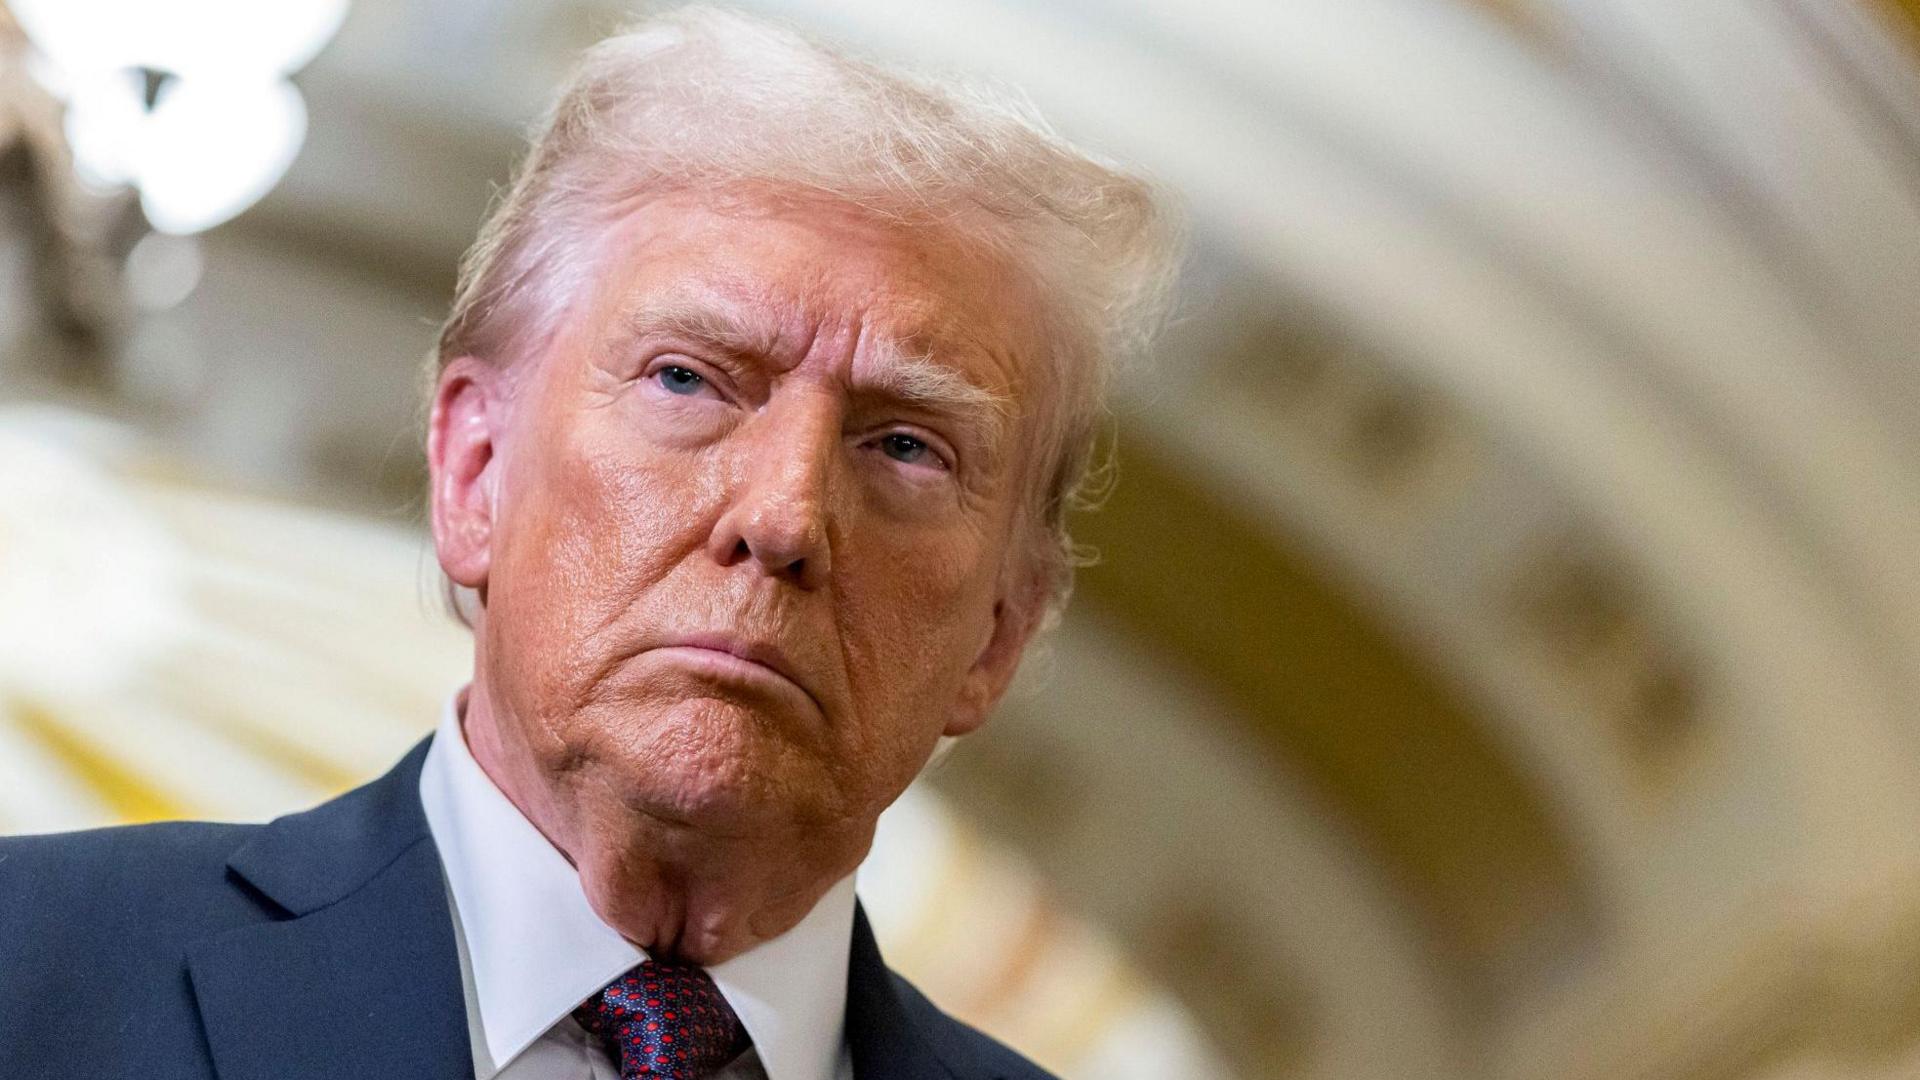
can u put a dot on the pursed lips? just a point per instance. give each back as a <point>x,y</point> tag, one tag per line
<point>764,655</point>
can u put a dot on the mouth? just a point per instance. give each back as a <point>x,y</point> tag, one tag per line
<point>732,659</point>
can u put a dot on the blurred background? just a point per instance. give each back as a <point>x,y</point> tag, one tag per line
<point>1505,654</point>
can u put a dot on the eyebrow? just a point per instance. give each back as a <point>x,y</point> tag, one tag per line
<point>910,378</point>
<point>921,382</point>
<point>696,322</point>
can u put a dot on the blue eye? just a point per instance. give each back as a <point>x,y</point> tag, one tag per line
<point>903,448</point>
<point>679,380</point>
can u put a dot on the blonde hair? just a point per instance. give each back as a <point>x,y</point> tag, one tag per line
<point>705,98</point>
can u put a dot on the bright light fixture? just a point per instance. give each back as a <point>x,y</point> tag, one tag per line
<point>105,116</point>
<point>224,125</point>
<point>264,38</point>
<point>212,147</point>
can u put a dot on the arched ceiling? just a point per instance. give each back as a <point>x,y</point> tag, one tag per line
<point>1388,743</point>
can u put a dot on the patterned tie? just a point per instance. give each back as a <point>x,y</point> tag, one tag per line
<point>665,1021</point>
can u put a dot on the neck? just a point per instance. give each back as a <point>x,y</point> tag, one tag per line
<point>673,888</point>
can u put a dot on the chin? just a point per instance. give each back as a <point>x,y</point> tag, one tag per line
<point>714,765</point>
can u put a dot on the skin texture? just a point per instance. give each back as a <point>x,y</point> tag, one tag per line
<point>714,456</point>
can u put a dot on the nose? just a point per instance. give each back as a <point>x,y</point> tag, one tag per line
<point>779,513</point>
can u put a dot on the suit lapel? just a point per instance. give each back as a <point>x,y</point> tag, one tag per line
<point>361,976</point>
<point>882,1035</point>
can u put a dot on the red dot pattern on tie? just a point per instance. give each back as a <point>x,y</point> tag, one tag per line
<point>665,1021</point>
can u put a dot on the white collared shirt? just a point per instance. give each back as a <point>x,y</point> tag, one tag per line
<point>531,948</point>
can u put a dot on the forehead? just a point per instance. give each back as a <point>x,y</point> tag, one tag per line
<point>777,274</point>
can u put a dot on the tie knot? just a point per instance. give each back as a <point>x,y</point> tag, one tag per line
<point>665,1021</point>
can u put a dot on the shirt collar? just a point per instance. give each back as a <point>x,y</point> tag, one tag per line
<point>536,948</point>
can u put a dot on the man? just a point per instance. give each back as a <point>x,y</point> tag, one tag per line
<point>764,395</point>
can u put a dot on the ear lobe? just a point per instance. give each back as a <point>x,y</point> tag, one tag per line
<point>461,463</point>
<point>1014,622</point>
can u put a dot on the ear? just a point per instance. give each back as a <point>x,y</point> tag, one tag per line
<point>461,462</point>
<point>1015,618</point>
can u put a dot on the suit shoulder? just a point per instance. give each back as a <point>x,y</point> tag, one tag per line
<point>961,1043</point>
<point>117,886</point>
<point>124,854</point>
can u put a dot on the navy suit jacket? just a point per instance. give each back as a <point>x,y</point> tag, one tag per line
<point>316,946</point>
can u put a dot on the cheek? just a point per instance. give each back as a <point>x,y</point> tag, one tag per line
<point>910,630</point>
<point>590,523</point>
<point>636,512</point>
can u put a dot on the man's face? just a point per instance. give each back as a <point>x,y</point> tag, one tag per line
<point>748,520</point>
